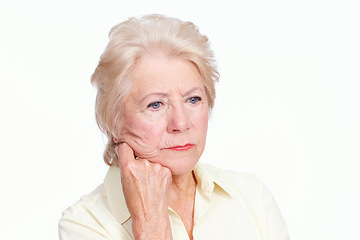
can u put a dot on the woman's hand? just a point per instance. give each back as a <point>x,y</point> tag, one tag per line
<point>145,186</point>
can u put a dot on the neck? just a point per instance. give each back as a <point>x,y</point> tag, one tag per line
<point>182,184</point>
<point>182,188</point>
<point>182,199</point>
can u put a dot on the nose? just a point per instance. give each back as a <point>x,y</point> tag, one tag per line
<point>178,119</point>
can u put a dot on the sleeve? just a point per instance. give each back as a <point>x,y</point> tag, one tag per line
<point>277,228</point>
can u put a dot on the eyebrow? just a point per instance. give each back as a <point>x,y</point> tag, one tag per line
<point>161,94</point>
<point>194,89</point>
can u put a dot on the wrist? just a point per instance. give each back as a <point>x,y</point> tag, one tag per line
<point>152,229</point>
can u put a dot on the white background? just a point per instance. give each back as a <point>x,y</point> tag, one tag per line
<point>287,105</point>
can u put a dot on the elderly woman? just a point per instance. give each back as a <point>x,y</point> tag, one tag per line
<point>155,84</point>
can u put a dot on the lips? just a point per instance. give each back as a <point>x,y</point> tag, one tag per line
<point>181,148</point>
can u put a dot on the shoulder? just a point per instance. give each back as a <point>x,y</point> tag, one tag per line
<point>94,202</point>
<point>251,194</point>
<point>90,217</point>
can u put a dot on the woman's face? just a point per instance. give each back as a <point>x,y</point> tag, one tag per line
<point>166,114</point>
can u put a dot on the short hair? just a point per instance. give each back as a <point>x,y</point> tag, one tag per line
<point>129,41</point>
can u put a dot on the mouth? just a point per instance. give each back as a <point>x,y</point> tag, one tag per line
<point>181,148</point>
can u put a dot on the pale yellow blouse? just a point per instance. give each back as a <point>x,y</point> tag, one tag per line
<point>228,205</point>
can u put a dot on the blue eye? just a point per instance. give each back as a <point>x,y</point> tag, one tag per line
<point>194,100</point>
<point>155,105</point>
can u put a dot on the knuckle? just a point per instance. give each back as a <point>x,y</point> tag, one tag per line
<point>124,167</point>
<point>146,163</point>
<point>167,172</point>
<point>131,166</point>
<point>157,166</point>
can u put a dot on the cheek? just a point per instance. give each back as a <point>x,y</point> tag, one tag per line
<point>204,127</point>
<point>202,122</point>
<point>142,135</point>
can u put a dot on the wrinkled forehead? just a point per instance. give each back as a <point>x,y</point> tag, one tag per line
<point>162,73</point>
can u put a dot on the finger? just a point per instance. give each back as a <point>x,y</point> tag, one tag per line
<point>125,154</point>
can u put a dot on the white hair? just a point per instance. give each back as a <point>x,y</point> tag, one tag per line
<point>130,41</point>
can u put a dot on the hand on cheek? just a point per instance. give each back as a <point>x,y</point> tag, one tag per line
<point>145,186</point>
<point>141,145</point>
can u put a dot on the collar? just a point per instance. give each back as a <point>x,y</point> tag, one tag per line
<point>208,179</point>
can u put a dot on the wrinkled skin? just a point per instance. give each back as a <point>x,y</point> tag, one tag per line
<point>145,187</point>
<point>177,121</point>
<point>164,124</point>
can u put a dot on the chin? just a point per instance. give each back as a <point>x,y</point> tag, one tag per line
<point>180,167</point>
<point>179,162</point>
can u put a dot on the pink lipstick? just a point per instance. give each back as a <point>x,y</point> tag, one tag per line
<point>181,148</point>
